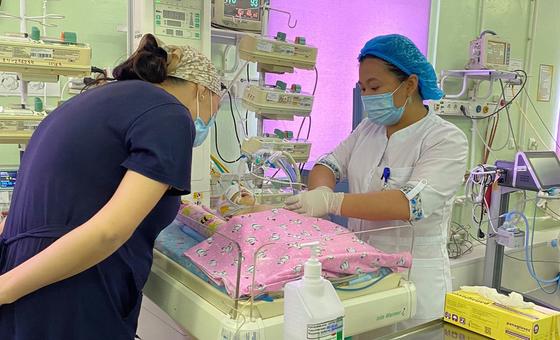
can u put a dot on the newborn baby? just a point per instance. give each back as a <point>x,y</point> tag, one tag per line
<point>237,200</point>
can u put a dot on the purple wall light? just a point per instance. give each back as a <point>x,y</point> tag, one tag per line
<point>339,28</point>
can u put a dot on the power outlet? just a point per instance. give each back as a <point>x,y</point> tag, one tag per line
<point>450,107</point>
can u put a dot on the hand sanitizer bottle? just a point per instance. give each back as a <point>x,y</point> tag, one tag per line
<point>312,309</point>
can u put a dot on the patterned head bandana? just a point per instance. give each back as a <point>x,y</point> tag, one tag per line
<point>191,65</point>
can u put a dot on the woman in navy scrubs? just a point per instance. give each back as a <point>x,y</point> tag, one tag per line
<point>100,179</point>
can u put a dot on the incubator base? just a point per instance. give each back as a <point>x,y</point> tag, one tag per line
<point>205,312</point>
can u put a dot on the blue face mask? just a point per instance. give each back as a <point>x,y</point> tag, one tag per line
<point>202,130</point>
<point>381,109</point>
<point>201,127</point>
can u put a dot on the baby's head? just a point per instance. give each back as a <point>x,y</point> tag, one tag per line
<point>239,195</point>
<point>235,200</point>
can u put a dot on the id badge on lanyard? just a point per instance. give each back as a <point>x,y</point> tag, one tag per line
<point>385,177</point>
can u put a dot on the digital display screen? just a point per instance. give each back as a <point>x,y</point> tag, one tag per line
<point>243,9</point>
<point>496,52</point>
<point>174,15</point>
<point>547,169</point>
<point>7,179</point>
<point>173,23</point>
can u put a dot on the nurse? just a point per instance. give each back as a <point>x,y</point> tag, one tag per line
<point>403,163</point>
<point>101,177</point>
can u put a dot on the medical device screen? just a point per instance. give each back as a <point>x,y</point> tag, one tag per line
<point>243,9</point>
<point>496,52</point>
<point>7,179</point>
<point>546,167</point>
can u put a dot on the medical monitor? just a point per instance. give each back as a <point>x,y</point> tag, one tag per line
<point>7,179</point>
<point>241,15</point>
<point>539,170</point>
<point>489,52</point>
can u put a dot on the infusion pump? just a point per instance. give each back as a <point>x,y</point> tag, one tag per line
<point>17,126</point>
<point>278,55</point>
<point>275,102</point>
<point>178,22</point>
<point>37,60</point>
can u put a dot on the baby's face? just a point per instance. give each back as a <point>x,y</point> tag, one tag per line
<point>244,198</point>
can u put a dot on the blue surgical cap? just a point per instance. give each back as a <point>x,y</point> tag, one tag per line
<point>401,52</point>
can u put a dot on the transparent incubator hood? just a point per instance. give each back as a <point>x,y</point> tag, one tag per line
<point>241,268</point>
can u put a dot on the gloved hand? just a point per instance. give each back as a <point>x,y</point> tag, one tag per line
<point>316,203</point>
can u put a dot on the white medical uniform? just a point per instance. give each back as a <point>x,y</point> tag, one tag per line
<point>431,151</point>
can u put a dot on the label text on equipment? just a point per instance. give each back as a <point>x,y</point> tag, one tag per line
<point>330,330</point>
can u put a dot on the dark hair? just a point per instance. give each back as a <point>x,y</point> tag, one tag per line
<point>148,63</point>
<point>397,72</point>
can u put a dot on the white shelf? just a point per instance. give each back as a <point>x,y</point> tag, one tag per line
<point>491,76</point>
<point>510,77</point>
<point>227,37</point>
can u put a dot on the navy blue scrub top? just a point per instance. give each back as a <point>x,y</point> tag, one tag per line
<point>71,168</point>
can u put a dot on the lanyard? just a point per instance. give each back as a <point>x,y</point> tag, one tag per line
<point>385,177</point>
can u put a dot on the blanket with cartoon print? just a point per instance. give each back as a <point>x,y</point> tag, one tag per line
<point>268,244</point>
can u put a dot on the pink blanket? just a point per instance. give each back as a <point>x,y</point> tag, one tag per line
<point>274,237</point>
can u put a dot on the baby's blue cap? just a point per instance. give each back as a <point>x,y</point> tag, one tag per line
<point>401,52</point>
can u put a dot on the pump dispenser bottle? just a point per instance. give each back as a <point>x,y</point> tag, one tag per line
<point>312,309</point>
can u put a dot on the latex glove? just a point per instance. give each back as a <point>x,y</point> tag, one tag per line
<point>514,299</point>
<point>316,203</point>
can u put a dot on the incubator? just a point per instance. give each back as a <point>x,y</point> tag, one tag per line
<point>224,279</point>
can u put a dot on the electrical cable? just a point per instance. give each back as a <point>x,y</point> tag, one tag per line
<point>489,147</point>
<point>506,255</point>
<point>534,261</point>
<point>247,111</point>
<point>530,264</point>
<point>233,117</point>
<point>218,149</point>
<point>524,114</point>
<point>550,211</point>
<point>529,253</point>
<point>541,120</point>
<point>316,80</point>
<point>246,122</point>
<point>304,118</point>
<point>515,258</point>
<point>458,251</point>
<point>484,179</point>
<point>498,110</point>
<point>509,118</point>
<point>95,69</point>
<point>64,90</point>
<point>491,136</point>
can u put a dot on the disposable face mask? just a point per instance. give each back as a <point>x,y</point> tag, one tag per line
<point>381,109</point>
<point>201,127</point>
